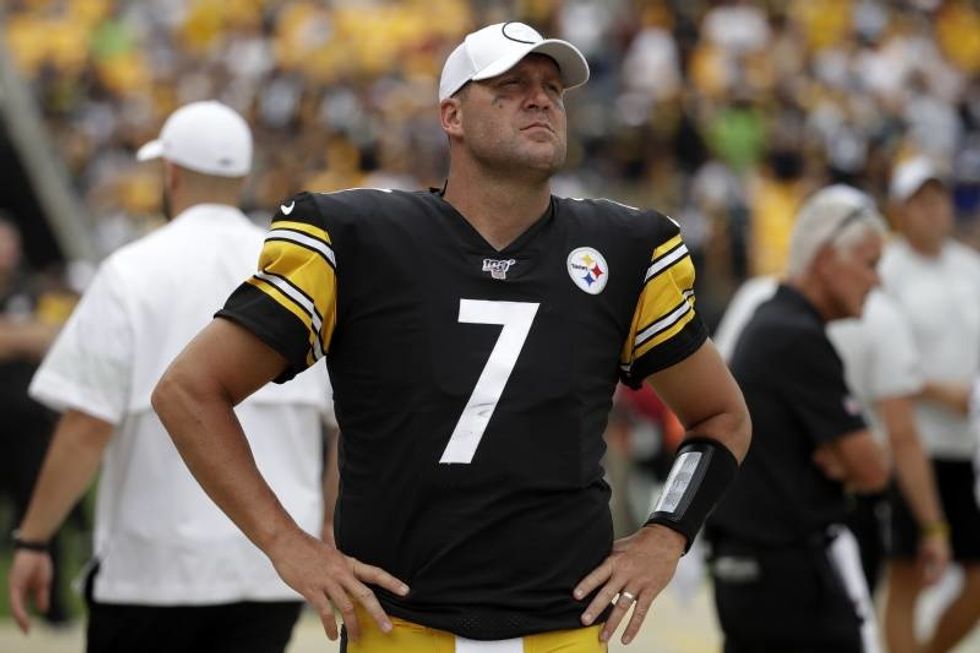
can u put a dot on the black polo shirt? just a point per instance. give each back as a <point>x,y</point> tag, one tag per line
<point>793,382</point>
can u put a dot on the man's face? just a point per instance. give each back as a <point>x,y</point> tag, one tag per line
<point>851,273</point>
<point>516,121</point>
<point>927,216</point>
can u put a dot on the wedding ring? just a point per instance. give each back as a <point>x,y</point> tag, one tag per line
<point>626,595</point>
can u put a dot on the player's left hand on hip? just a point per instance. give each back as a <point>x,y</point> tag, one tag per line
<point>638,568</point>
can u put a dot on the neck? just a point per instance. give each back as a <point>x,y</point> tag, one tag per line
<point>182,202</point>
<point>815,293</point>
<point>499,207</point>
<point>927,249</point>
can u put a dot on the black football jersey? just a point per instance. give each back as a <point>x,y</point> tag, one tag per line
<point>472,385</point>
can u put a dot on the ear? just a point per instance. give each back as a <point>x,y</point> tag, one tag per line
<point>823,261</point>
<point>451,116</point>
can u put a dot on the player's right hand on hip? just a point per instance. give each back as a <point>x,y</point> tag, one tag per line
<point>327,578</point>
<point>30,579</point>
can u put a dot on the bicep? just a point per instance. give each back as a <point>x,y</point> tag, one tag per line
<point>86,427</point>
<point>700,389</point>
<point>897,414</point>
<point>227,359</point>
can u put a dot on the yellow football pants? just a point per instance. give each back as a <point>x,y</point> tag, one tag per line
<point>408,637</point>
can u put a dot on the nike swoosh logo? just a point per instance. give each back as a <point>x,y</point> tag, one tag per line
<point>287,209</point>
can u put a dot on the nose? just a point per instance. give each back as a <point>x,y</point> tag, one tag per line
<point>538,97</point>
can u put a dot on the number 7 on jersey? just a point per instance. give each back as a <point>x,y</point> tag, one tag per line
<point>516,319</point>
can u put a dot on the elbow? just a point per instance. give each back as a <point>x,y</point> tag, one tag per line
<point>168,398</point>
<point>741,433</point>
<point>162,396</point>
<point>746,436</point>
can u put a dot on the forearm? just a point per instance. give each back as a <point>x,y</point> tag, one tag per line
<point>917,482</point>
<point>705,398</point>
<point>210,439</point>
<point>954,396</point>
<point>331,484</point>
<point>912,468</point>
<point>25,340</point>
<point>730,428</point>
<point>69,466</point>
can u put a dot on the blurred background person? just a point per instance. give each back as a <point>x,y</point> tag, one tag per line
<point>779,548</point>
<point>882,368</point>
<point>935,283</point>
<point>170,572</point>
<point>32,309</point>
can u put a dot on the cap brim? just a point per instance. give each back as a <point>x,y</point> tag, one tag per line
<point>571,62</point>
<point>913,183</point>
<point>152,150</point>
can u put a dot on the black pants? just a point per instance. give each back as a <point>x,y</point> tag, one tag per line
<point>788,600</point>
<point>955,481</point>
<point>244,627</point>
<point>869,519</point>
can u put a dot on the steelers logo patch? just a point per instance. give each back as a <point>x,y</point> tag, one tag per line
<point>588,269</point>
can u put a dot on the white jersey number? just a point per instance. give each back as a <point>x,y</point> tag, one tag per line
<point>516,319</point>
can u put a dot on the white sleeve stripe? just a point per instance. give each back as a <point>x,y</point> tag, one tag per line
<point>304,240</point>
<point>300,300</point>
<point>662,324</point>
<point>665,261</point>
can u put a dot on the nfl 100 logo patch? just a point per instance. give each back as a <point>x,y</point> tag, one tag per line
<point>498,267</point>
<point>588,269</point>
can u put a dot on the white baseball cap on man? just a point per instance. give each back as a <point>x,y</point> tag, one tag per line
<point>495,49</point>
<point>207,137</point>
<point>911,175</point>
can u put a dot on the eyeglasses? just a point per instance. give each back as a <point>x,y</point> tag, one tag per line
<point>852,217</point>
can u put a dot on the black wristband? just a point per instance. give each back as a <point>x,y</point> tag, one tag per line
<point>702,471</point>
<point>30,545</point>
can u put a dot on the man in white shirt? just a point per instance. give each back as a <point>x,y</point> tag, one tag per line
<point>172,572</point>
<point>936,284</point>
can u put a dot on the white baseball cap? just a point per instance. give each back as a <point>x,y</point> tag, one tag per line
<point>495,49</point>
<point>207,137</point>
<point>911,175</point>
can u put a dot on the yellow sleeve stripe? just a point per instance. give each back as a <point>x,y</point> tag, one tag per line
<point>666,247</point>
<point>276,295</point>
<point>659,300</point>
<point>303,240</point>
<point>303,282</point>
<point>651,331</point>
<point>308,229</point>
<point>290,298</point>
<point>665,335</point>
<point>665,306</point>
<point>666,260</point>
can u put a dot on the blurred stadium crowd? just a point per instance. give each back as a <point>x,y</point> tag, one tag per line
<point>723,114</point>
